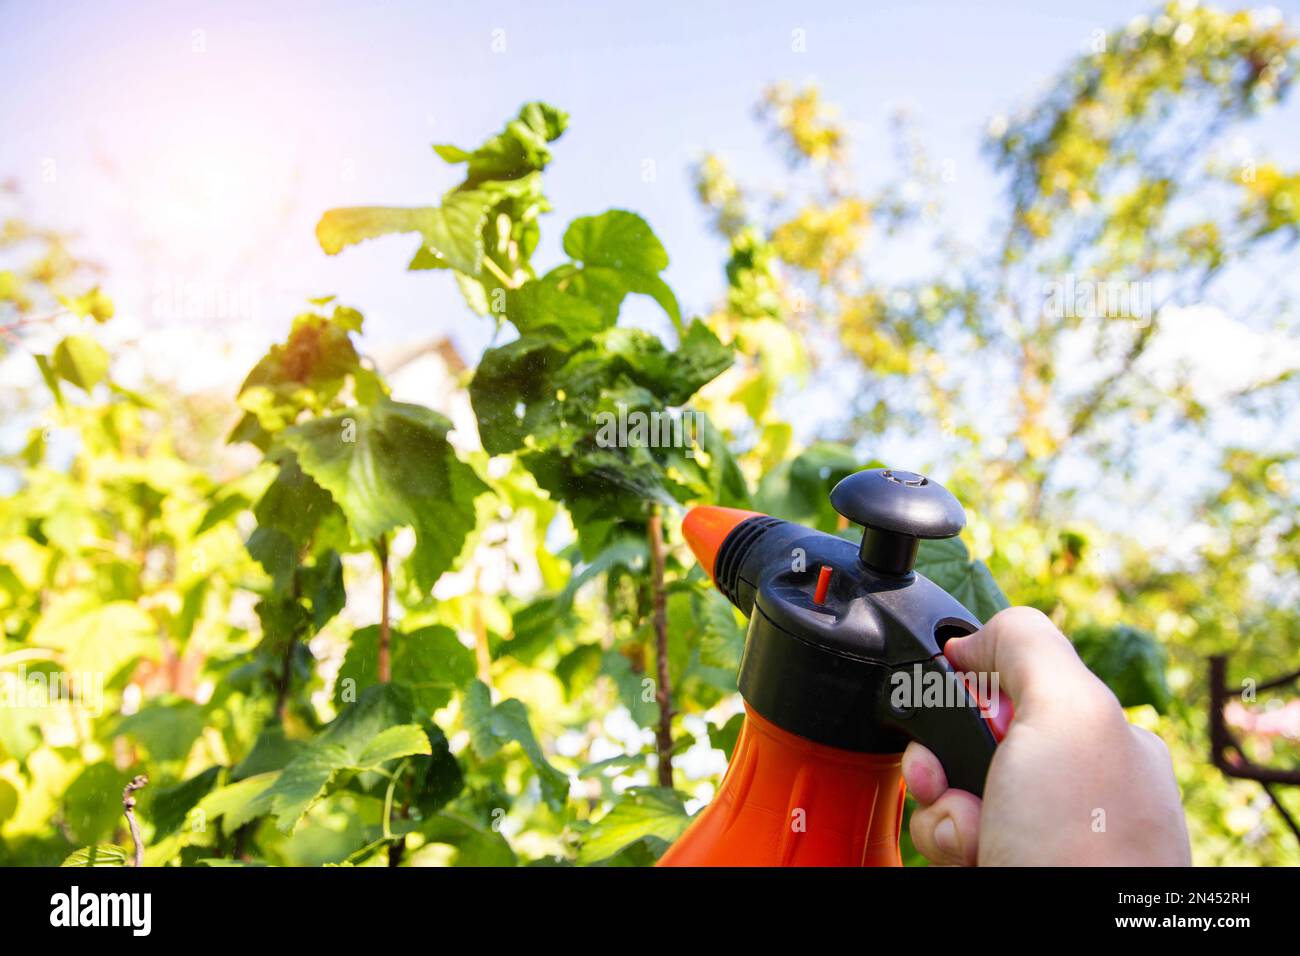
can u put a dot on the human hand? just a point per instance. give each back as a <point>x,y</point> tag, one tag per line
<point>1073,783</point>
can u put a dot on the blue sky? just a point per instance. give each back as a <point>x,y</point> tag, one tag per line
<point>200,142</point>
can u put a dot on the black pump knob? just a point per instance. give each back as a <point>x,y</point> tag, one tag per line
<point>897,509</point>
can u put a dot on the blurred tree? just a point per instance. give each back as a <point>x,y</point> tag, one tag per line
<point>1049,373</point>
<point>391,641</point>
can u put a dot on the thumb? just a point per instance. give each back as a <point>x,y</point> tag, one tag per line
<point>1036,664</point>
<point>945,826</point>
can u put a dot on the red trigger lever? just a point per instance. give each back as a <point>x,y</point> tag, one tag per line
<point>997,708</point>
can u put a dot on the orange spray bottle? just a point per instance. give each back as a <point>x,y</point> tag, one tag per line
<point>843,664</point>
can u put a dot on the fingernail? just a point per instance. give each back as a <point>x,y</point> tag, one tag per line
<point>945,837</point>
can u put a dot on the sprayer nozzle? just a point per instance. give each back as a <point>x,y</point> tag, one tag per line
<point>706,527</point>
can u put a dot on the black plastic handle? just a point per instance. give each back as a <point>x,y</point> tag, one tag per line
<point>955,731</point>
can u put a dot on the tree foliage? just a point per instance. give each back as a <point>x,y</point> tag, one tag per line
<point>382,640</point>
<point>1049,368</point>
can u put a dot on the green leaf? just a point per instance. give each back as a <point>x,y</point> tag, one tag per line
<point>673,377</point>
<point>389,465</point>
<point>8,800</point>
<point>518,150</point>
<point>947,563</point>
<point>620,254</point>
<point>436,779</point>
<point>92,805</point>
<point>512,394</point>
<point>288,515</point>
<point>293,504</point>
<point>431,662</point>
<point>722,480</point>
<point>167,808</point>
<point>614,254</point>
<point>491,728</point>
<point>705,621</point>
<point>724,738</point>
<point>165,727</point>
<point>365,735</point>
<point>339,228</point>
<point>553,304</point>
<point>274,551</point>
<point>222,862</point>
<point>564,414</point>
<point>619,763</point>
<point>404,740</point>
<point>476,845</point>
<point>101,854</point>
<point>238,803</point>
<point>452,154</point>
<point>799,489</point>
<point>537,622</point>
<point>493,212</point>
<point>451,234</point>
<point>94,304</point>
<point>191,608</point>
<point>617,239</point>
<point>578,668</point>
<point>699,359</point>
<point>20,731</point>
<point>81,361</point>
<point>284,620</point>
<point>96,639</point>
<point>307,372</point>
<point>376,709</point>
<point>475,295</point>
<point>322,585</point>
<point>1129,660</point>
<point>634,690</point>
<point>641,812</point>
<point>224,507</point>
<point>50,377</point>
<point>272,750</point>
<point>304,780</point>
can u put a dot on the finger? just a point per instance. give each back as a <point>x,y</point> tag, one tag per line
<point>1154,746</point>
<point>947,832</point>
<point>923,774</point>
<point>1036,664</point>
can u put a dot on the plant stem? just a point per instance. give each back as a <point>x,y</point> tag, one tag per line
<point>286,668</point>
<point>128,808</point>
<point>239,850</point>
<point>396,848</point>
<point>8,329</point>
<point>497,271</point>
<point>286,675</point>
<point>388,799</point>
<point>482,652</point>
<point>663,687</point>
<point>384,665</point>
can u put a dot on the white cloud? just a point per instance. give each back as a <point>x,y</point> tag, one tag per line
<point>1214,353</point>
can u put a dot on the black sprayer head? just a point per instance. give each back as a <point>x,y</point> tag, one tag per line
<point>845,643</point>
<point>896,509</point>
